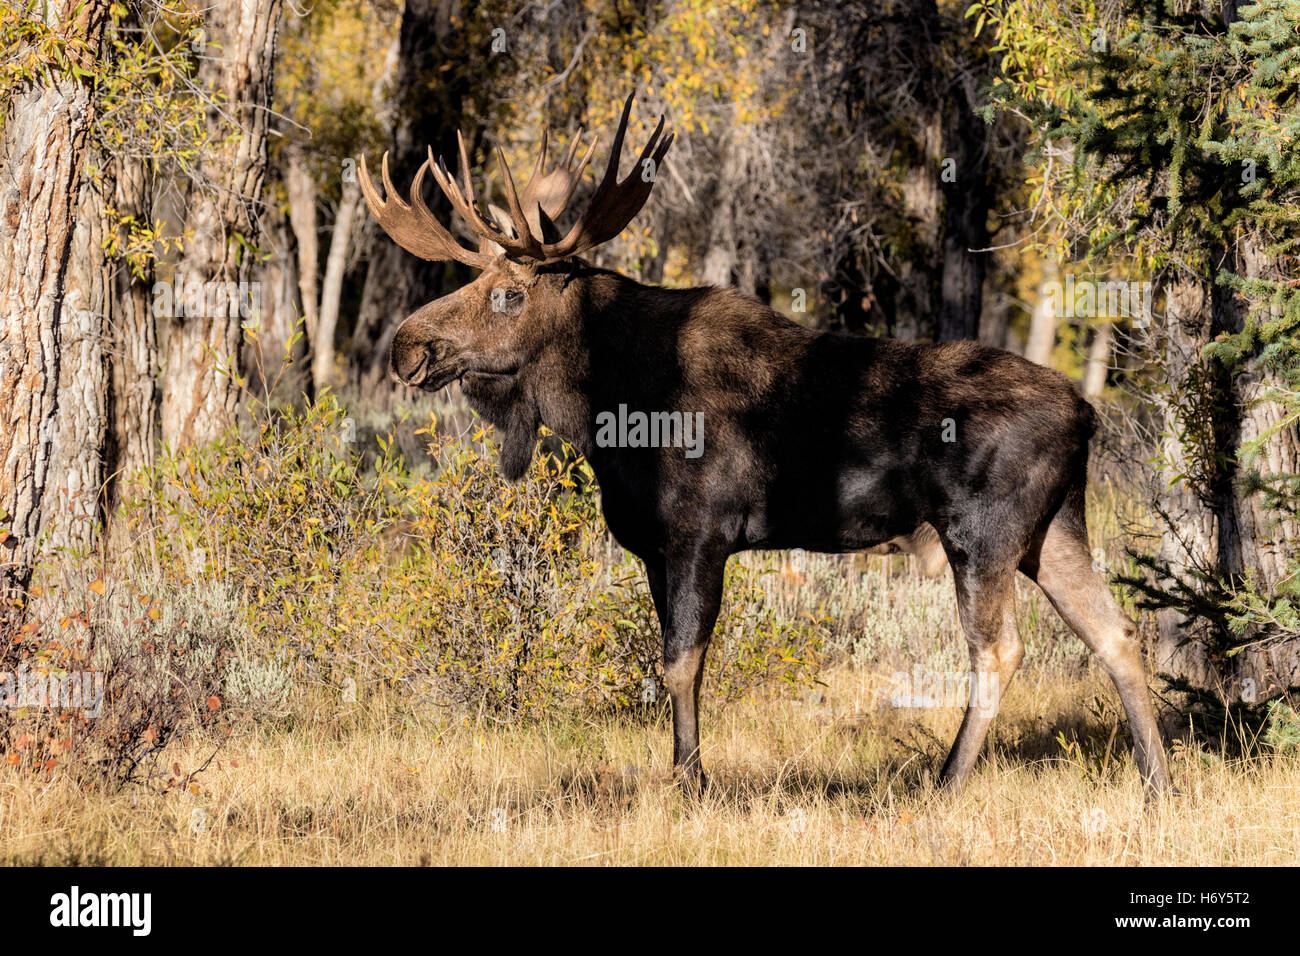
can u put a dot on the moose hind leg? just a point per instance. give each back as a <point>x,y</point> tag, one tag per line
<point>985,603</point>
<point>1080,595</point>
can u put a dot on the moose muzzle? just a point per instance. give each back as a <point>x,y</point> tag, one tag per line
<point>419,359</point>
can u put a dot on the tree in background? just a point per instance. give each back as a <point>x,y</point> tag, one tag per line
<point>200,390</point>
<point>334,108</point>
<point>1183,118</point>
<point>148,123</point>
<point>444,74</point>
<point>1262,347</point>
<point>49,53</point>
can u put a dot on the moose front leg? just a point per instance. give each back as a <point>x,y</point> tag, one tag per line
<point>692,598</point>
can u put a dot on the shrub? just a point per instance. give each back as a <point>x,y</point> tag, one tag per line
<point>466,591</point>
<point>110,674</point>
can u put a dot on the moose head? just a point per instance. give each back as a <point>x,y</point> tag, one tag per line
<point>517,307</point>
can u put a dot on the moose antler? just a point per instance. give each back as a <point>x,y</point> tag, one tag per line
<point>412,225</point>
<point>547,194</point>
<point>615,203</point>
<point>533,234</point>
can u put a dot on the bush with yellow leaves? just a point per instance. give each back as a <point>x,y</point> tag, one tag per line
<point>449,583</point>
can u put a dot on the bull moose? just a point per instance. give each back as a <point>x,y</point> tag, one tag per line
<point>814,440</point>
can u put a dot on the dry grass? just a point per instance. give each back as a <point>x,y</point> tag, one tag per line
<point>836,775</point>
<point>792,783</point>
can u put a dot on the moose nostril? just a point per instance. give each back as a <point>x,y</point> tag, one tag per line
<point>408,365</point>
<point>421,366</point>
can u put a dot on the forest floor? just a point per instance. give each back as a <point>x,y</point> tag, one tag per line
<point>817,781</point>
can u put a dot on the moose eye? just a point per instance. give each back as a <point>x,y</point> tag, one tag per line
<point>509,301</point>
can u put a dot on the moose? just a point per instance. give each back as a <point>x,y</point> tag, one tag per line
<point>823,441</point>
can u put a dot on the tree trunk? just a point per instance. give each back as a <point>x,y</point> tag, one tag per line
<point>995,319</point>
<point>277,371</point>
<point>919,273</point>
<point>322,362</point>
<point>76,481</point>
<point>1264,537</point>
<point>967,197</point>
<point>1094,376</point>
<point>1216,524</point>
<point>42,148</point>
<point>722,255</point>
<point>396,282</point>
<point>1191,537</point>
<point>1042,324</point>
<point>200,396</point>
<point>302,218</point>
<point>133,397</point>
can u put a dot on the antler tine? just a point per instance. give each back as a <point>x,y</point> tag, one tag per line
<point>616,148</point>
<point>523,246</point>
<point>614,204</point>
<point>417,193</point>
<point>541,157</point>
<point>464,170</point>
<point>551,191</point>
<point>576,175</point>
<point>522,230</point>
<point>567,161</point>
<point>447,183</point>
<point>389,190</point>
<point>413,227</point>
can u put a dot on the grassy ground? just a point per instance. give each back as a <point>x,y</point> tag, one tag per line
<point>793,782</point>
<point>819,772</point>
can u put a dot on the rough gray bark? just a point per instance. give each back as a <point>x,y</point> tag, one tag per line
<point>42,148</point>
<point>74,511</point>
<point>133,397</point>
<point>1192,537</point>
<point>1214,523</point>
<point>1263,538</point>
<point>200,400</point>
